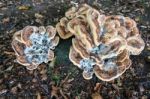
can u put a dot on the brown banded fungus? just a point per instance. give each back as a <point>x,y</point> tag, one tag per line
<point>102,45</point>
<point>73,12</point>
<point>34,45</point>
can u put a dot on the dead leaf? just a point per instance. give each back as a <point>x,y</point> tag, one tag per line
<point>52,63</point>
<point>9,68</point>
<point>14,90</point>
<point>3,91</point>
<point>6,20</point>
<point>54,92</point>
<point>23,7</point>
<point>38,95</point>
<point>44,77</point>
<point>64,96</point>
<point>97,87</point>
<point>39,16</point>
<point>96,96</point>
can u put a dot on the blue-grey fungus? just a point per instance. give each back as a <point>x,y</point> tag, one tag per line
<point>34,45</point>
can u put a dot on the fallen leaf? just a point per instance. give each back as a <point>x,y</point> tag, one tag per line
<point>97,87</point>
<point>96,96</point>
<point>9,68</point>
<point>3,91</point>
<point>23,7</point>
<point>54,92</point>
<point>52,63</point>
<point>38,96</point>
<point>6,20</point>
<point>64,96</point>
<point>37,15</point>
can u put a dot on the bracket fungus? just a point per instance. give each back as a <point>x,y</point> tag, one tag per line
<point>102,44</point>
<point>34,45</point>
<point>73,12</point>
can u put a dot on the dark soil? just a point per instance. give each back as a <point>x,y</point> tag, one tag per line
<point>61,79</point>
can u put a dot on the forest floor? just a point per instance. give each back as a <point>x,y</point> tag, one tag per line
<point>60,79</point>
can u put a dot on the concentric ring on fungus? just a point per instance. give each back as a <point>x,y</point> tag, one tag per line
<point>33,45</point>
<point>102,45</point>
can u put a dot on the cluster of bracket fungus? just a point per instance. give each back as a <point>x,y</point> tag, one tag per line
<point>33,45</point>
<point>102,45</point>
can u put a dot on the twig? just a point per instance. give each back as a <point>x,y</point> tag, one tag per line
<point>9,53</point>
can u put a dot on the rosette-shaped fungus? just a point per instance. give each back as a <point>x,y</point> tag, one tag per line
<point>103,44</point>
<point>73,12</point>
<point>34,45</point>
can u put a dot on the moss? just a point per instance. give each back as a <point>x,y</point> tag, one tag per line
<point>56,78</point>
<point>62,52</point>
